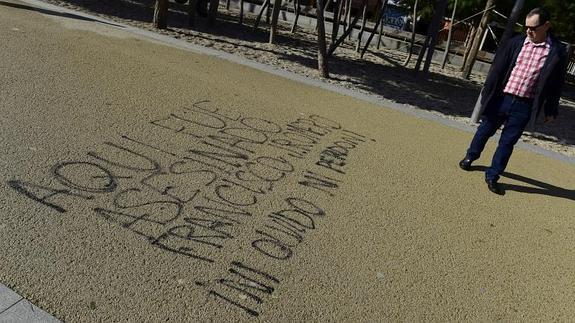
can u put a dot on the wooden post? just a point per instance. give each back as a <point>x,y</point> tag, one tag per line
<point>336,19</point>
<point>262,9</point>
<point>161,14</point>
<point>192,13</point>
<point>378,21</point>
<point>363,18</point>
<point>408,58</point>
<point>241,12</point>
<point>380,34</point>
<point>468,43</point>
<point>476,42</point>
<point>275,15</point>
<point>268,14</point>
<point>381,28</point>
<point>440,8</point>
<point>347,18</point>
<point>213,13</point>
<point>333,46</point>
<point>448,44</point>
<point>430,38</point>
<point>342,16</point>
<point>513,17</point>
<point>321,46</point>
<point>296,9</point>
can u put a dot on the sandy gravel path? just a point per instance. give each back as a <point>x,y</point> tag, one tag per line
<point>148,183</point>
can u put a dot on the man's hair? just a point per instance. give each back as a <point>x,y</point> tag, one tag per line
<point>543,14</point>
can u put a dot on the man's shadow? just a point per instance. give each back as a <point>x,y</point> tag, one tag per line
<point>541,187</point>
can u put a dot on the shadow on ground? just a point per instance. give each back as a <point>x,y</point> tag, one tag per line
<point>380,72</point>
<point>532,186</point>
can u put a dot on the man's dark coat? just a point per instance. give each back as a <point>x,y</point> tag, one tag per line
<point>549,84</point>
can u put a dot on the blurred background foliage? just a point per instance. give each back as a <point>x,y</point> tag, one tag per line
<point>562,12</point>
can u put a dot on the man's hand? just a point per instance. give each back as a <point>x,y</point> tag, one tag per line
<point>548,119</point>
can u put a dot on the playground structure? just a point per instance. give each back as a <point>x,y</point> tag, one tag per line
<point>465,39</point>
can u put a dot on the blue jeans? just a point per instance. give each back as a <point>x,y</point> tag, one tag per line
<point>514,114</point>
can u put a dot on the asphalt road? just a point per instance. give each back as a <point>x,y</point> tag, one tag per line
<point>142,182</point>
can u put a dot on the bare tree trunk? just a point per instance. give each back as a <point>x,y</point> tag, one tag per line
<point>377,22</point>
<point>227,4</point>
<point>347,18</point>
<point>192,12</point>
<point>476,42</point>
<point>161,14</point>
<point>213,13</point>
<point>321,46</point>
<point>431,37</point>
<point>363,18</point>
<point>268,14</point>
<point>241,12</point>
<point>341,16</point>
<point>262,9</point>
<point>408,58</point>
<point>513,17</point>
<point>333,46</point>
<point>438,19</point>
<point>468,43</point>
<point>448,44</point>
<point>380,33</point>
<point>296,9</point>
<point>336,19</point>
<point>275,15</point>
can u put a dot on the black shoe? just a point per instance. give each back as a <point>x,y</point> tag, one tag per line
<point>465,164</point>
<point>494,187</point>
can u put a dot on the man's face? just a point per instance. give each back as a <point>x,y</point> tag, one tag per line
<point>536,31</point>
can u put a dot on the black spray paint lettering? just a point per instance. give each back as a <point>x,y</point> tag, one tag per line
<point>191,207</point>
<point>237,195</point>
<point>325,122</point>
<point>261,125</point>
<point>45,195</point>
<point>222,155</point>
<point>309,126</point>
<point>172,241</point>
<point>175,124</point>
<point>286,227</point>
<point>182,186</point>
<point>300,216</point>
<point>85,176</point>
<point>142,143</point>
<point>202,232</point>
<point>207,106</point>
<point>202,119</point>
<point>217,226</point>
<point>140,224</point>
<point>272,246</point>
<point>270,169</point>
<point>135,158</point>
<point>319,182</point>
<point>334,157</point>
<point>159,211</point>
<point>234,142</point>
<point>252,284</point>
<point>218,209</point>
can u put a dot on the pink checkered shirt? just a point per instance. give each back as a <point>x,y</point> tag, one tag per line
<point>526,71</point>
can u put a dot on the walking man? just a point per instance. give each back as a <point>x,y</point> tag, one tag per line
<point>526,77</point>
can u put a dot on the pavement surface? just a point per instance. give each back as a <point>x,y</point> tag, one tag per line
<point>144,181</point>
